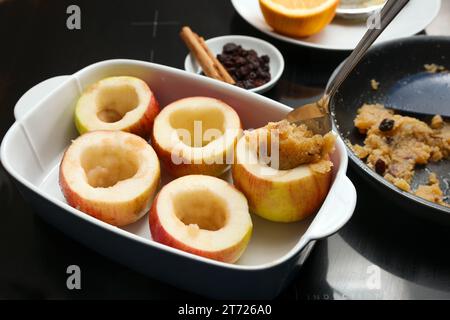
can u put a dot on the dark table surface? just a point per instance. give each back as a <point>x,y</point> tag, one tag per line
<point>382,253</point>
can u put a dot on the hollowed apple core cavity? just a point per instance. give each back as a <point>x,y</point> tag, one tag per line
<point>198,128</point>
<point>114,102</point>
<point>105,166</point>
<point>204,209</point>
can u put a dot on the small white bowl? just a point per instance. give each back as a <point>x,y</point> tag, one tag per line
<point>260,46</point>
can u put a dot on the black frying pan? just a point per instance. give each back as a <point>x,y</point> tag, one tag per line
<point>392,64</point>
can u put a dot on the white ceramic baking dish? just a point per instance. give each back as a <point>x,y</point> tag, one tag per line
<point>32,149</point>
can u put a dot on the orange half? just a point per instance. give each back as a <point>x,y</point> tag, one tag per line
<point>298,18</point>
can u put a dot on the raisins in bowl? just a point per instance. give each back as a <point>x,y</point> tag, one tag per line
<point>245,66</point>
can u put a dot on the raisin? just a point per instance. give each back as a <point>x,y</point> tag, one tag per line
<point>386,125</point>
<point>240,84</point>
<point>245,66</point>
<point>244,71</point>
<point>254,60</point>
<point>264,75</point>
<point>380,167</point>
<point>252,53</point>
<point>254,65</point>
<point>230,48</point>
<point>228,64</point>
<point>259,82</point>
<point>240,61</point>
<point>249,84</point>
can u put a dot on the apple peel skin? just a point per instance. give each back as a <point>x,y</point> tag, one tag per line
<point>287,196</point>
<point>225,245</point>
<point>138,121</point>
<point>122,203</point>
<point>212,159</point>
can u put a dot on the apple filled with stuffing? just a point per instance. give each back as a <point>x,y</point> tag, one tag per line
<point>284,170</point>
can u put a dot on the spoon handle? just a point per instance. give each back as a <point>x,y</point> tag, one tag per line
<point>390,10</point>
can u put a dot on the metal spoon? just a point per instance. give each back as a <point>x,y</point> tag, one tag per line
<point>316,115</point>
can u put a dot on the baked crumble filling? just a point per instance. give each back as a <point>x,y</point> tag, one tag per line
<point>395,144</point>
<point>297,146</point>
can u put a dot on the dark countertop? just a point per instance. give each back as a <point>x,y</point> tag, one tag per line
<point>383,253</point>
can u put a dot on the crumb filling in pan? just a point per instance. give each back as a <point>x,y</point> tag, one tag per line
<point>395,144</point>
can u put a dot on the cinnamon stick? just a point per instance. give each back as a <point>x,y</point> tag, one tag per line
<point>219,66</point>
<point>208,62</point>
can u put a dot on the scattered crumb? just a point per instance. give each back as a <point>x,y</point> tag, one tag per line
<point>321,167</point>
<point>432,192</point>
<point>434,68</point>
<point>432,178</point>
<point>398,182</point>
<point>374,84</point>
<point>437,122</point>
<point>193,230</point>
<point>369,115</point>
<point>360,151</point>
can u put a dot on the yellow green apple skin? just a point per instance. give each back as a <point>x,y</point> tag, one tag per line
<point>280,195</point>
<point>282,201</point>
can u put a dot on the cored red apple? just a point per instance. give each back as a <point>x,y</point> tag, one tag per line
<point>202,215</point>
<point>110,175</point>
<point>196,135</point>
<point>117,103</point>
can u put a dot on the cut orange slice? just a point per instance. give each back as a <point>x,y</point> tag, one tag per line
<point>298,18</point>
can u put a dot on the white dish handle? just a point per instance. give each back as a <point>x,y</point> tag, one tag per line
<point>31,98</point>
<point>335,212</point>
